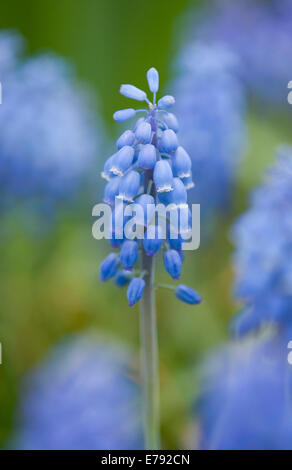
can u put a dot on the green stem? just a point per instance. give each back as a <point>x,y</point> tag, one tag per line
<point>148,332</point>
<point>149,357</point>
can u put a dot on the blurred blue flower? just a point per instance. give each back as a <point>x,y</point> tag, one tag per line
<point>210,101</point>
<point>261,34</point>
<point>11,45</point>
<point>246,400</point>
<point>82,397</point>
<point>47,129</point>
<point>263,256</point>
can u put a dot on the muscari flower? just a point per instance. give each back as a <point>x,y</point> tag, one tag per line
<point>122,278</point>
<point>81,397</point>
<point>187,295</point>
<point>172,263</point>
<point>153,240</point>
<point>147,157</point>
<point>210,102</point>
<point>109,267</point>
<point>245,399</point>
<point>47,130</point>
<point>129,254</point>
<point>152,169</point>
<point>260,33</point>
<point>135,290</point>
<point>263,252</point>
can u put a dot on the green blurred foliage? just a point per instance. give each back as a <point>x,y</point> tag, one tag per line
<point>49,286</point>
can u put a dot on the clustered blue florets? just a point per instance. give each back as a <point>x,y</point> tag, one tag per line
<point>149,167</point>
<point>47,130</point>
<point>260,33</point>
<point>81,397</point>
<point>263,257</point>
<point>245,403</point>
<point>213,119</point>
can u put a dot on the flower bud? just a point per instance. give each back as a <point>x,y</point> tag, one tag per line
<point>111,190</point>
<point>152,240</point>
<point>107,174</point>
<point>122,278</point>
<point>127,138</point>
<point>168,142</point>
<point>124,114</point>
<point>147,204</point>
<point>171,122</point>
<point>147,157</point>
<point>172,263</point>
<point>130,91</point>
<point>109,267</point>
<point>153,79</point>
<point>166,102</point>
<point>143,133</point>
<point>135,290</point>
<point>181,163</point>
<point>122,161</point>
<point>163,177</point>
<point>185,222</point>
<point>129,254</point>
<point>188,182</point>
<point>179,195</point>
<point>187,294</point>
<point>129,186</point>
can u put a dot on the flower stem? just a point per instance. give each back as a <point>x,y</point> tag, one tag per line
<point>149,357</point>
<point>148,333</point>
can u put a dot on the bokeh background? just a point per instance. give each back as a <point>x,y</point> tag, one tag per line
<point>49,285</point>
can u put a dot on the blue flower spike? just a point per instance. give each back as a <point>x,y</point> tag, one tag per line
<point>149,169</point>
<point>263,255</point>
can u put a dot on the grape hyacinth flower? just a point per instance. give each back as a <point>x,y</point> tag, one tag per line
<point>210,102</point>
<point>260,33</point>
<point>150,169</point>
<point>263,256</point>
<point>47,128</point>
<point>245,400</point>
<point>187,295</point>
<point>81,397</point>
